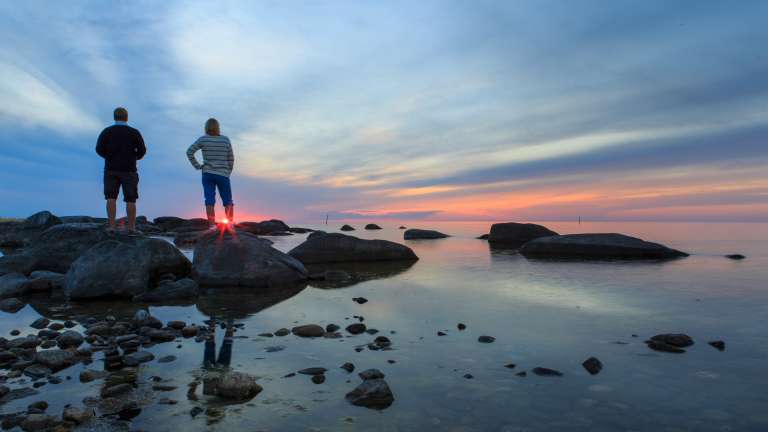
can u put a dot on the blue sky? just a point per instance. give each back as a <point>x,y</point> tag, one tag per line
<point>625,110</point>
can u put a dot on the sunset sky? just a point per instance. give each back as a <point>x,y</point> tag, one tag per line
<point>450,110</point>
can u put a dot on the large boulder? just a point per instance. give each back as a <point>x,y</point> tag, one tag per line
<point>514,235</point>
<point>42,220</point>
<point>416,234</point>
<point>124,268</point>
<point>13,284</point>
<point>263,227</point>
<point>336,247</point>
<point>227,259</point>
<point>59,246</point>
<point>597,246</point>
<point>176,224</point>
<point>19,234</point>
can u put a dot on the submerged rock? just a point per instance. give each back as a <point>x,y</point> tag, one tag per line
<point>232,260</point>
<point>337,247</point>
<point>719,345</point>
<point>124,268</point>
<point>415,234</point>
<point>597,246</point>
<point>56,359</point>
<point>514,235</point>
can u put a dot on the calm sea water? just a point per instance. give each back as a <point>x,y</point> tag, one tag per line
<point>542,313</point>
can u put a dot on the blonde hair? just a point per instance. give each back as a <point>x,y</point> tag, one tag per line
<point>212,127</point>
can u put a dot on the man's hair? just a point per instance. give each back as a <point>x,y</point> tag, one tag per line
<point>212,127</point>
<point>121,114</point>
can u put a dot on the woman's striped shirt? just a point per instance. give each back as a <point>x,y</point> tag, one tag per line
<point>217,155</point>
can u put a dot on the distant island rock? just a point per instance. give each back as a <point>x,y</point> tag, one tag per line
<point>415,234</point>
<point>514,235</point>
<point>372,226</point>
<point>597,246</point>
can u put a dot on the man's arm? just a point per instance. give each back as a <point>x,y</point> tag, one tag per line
<point>191,155</point>
<point>141,149</point>
<point>101,144</point>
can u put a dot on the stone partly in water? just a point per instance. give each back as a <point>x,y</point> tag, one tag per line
<point>597,246</point>
<point>169,290</point>
<point>241,259</point>
<point>663,347</point>
<point>486,339</point>
<point>232,385</point>
<point>56,359</point>
<point>309,330</point>
<point>11,305</point>
<point>347,228</point>
<point>514,235</point>
<point>336,247</point>
<point>372,226</point>
<point>679,340</point>
<point>124,268</point>
<point>719,345</point>
<point>415,234</point>
<point>70,339</point>
<point>736,257</point>
<point>542,371</point>
<point>373,393</point>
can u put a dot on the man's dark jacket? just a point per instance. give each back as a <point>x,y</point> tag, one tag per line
<point>120,146</point>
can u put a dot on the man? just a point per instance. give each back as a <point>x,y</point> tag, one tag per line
<point>218,162</point>
<point>121,146</point>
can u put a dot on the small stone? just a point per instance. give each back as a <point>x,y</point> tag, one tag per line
<point>318,379</point>
<point>282,332</point>
<point>373,393</point>
<point>15,332</point>
<point>40,323</point>
<point>679,340</point>
<point>194,412</point>
<point>663,347</point>
<point>718,344</point>
<point>313,371</point>
<point>39,406</point>
<point>522,374</point>
<point>70,339</point>
<point>77,415</point>
<point>266,335</point>
<point>11,305</point>
<point>510,365</point>
<point>137,358</point>
<point>356,328</point>
<point>56,326</point>
<point>542,371</point>
<point>166,359</point>
<point>486,339</point>
<point>309,330</point>
<point>441,333</point>
<point>468,376</point>
<point>167,401</point>
<point>349,367</point>
<point>163,387</point>
<point>177,325</point>
<point>38,422</point>
<point>331,328</point>
<point>190,331</point>
<point>391,361</point>
<point>735,256</point>
<point>116,390</point>
<point>290,375</point>
<point>461,326</point>
<point>593,365</point>
<point>360,300</point>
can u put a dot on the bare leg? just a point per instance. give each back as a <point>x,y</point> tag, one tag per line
<point>111,212</point>
<point>230,212</point>
<point>130,208</point>
<point>211,213</point>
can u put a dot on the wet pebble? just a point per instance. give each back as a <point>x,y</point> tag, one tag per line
<point>356,328</point>
<point>349,367</point>
<point>360,300</point>
<point>718,344</point>
<point>486,339</point>
<point>40,323</point>
<point>542,371</point>
<point>330,328</point>
<point>166,359</point>
<point>318,379</point>
<point>593,365</point>
<point>282,332</point>
<point>461,326</point>
<point>313,371</point>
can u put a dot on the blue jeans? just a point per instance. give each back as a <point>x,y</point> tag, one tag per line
<point>213,181</point>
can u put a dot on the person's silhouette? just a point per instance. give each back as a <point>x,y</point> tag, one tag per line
<point>225,352</point>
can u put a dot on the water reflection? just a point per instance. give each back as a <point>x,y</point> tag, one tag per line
<point>357,272</point>
<point>240,303</point>
<point>210,360</point>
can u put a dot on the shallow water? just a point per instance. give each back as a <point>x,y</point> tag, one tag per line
<point>542,313</point>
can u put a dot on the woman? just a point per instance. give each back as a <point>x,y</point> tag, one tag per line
<point>218,162</point>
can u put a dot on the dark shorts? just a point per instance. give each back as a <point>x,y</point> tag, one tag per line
<point>129,181</point>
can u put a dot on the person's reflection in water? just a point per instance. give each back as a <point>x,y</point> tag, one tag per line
<point>225,353</point>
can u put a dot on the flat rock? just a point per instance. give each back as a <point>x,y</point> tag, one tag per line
<point>679,340</point>
<point>372,226</point>
<point>486,339</point>
<point>269,227</point>
<point>313,371</point>
<point>56,359</point>
<point>228,260</point>
<point>336,247</point>
<point>416,234</point>
<point>597,246</point>
<point>542,371</point>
